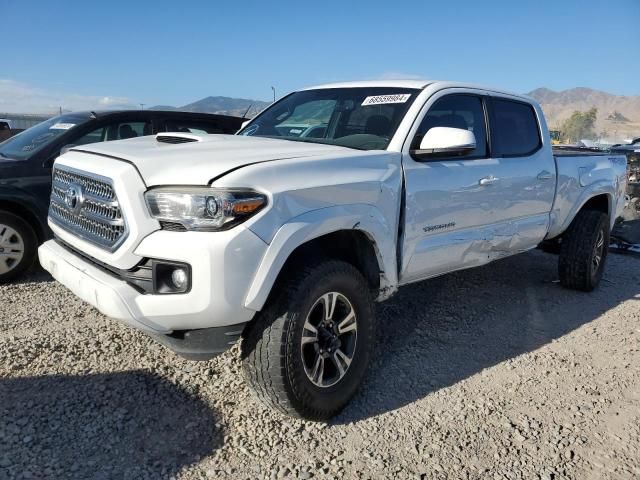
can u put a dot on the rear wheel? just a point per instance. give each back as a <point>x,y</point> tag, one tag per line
<point>18,243</point>
<point>584,251</point>
<point>306,353</point>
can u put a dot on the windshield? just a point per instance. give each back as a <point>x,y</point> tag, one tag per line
<point>25,144</point>
<point>363,118</point>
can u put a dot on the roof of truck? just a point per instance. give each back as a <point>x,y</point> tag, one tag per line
<point>415,83</point>
<point>376,83</point>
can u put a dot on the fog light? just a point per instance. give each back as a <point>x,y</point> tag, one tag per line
<point>179,278</point>
<point>171,277</point>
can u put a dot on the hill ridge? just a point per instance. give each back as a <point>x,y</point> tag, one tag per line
<point>222,105</point>
<point>618,117</point>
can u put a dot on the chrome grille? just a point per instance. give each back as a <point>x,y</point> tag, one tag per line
<point>86,205</point>
<point>90,185</point>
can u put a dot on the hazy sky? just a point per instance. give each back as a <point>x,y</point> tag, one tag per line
<point>85,54</point>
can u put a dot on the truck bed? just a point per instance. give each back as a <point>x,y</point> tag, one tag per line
<point>575,151</point>
<point>594,170</point>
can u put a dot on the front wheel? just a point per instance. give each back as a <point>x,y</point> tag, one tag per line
<point>584,250</point>
<point>18,244</point>
<point>306,353</point>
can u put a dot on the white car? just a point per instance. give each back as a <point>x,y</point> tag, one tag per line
<point>286,240</point>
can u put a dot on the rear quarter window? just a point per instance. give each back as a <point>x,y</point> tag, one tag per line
<point>514,128</point>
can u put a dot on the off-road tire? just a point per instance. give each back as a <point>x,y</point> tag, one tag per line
<point>578,249</point>
<point>271,344</point>
<point>29,241</point>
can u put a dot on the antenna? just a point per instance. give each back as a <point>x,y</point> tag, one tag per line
<point>245,113</point>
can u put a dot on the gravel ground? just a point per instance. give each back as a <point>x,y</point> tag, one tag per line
<point>495,372</point>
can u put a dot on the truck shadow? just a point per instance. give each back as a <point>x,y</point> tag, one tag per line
<point>438,332</point>
<point>35,274</point>
<point>121,425</point>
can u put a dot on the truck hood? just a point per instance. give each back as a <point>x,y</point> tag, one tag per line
<point>201,161</point>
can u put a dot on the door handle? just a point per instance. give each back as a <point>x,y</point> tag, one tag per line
<point>490,180</point>
<point>544,175</point>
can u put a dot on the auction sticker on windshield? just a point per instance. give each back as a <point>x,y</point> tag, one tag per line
<point>62,126</point>
<point>384,99</point>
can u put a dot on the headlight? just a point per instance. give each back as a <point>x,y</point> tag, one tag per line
<point>204,208</point>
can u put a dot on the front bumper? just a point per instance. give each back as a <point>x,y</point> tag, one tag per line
<point>223,265</point>
<point>201,344</point>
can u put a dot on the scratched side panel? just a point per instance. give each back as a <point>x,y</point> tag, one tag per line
<point>445,211</point>
<point>518,235</point>
<point>471,247</point>
<point>446,252</point>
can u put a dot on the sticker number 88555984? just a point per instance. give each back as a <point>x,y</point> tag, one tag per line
<point>384,99</point>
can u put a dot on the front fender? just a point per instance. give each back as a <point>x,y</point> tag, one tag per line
<point>314,224</point>
<point>28,206</point>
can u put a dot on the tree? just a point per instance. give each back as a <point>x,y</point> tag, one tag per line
<point>579,125</point>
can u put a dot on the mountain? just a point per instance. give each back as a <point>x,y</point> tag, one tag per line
<point>164,108</point>
<point>618,115</point>
<point>223,105</point>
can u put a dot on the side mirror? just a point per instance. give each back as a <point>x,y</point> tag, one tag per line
<point>66,148</point>
<point>446,141</point>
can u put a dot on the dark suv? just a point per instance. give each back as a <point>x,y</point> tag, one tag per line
<point>26,160</point>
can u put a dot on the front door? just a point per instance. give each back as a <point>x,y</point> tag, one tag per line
<point>446,206</point>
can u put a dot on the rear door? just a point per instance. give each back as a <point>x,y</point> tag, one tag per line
<point>527,175</point>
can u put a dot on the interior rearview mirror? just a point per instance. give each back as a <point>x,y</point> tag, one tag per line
<point>446,141</point>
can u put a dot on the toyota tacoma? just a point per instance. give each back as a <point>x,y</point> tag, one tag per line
<point>285,234</point>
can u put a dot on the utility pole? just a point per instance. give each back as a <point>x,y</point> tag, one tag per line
<point>274,94</point>
<point>142,106</point>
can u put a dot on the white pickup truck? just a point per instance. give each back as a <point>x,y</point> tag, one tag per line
<point>285,234</point>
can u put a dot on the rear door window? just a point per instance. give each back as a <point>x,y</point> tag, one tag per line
<point>94,136</point>
<point>125,130</point>
<point>192,126</point>
<point>514,128</point>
